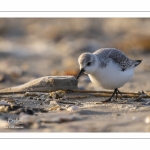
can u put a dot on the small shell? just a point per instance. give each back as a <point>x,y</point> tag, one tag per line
<point>56,107</point>
<point>147,119</point>
<point>35,126</point>
<point>47,100</point>
<point>73,108</point>
<point>53,103</point>
<point>57,95</point>
<point>148,103</point>
<point>3,109</point>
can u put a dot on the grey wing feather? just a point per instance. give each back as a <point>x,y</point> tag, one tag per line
<point>121,59</point>
<point>107,54</point>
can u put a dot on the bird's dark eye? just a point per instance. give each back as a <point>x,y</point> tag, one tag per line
<point>89,63</point>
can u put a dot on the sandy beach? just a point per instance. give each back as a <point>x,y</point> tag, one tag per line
<point>34,48</point>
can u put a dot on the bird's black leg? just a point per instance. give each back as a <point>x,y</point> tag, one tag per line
<point>107,100</point>
<point>119,92</point>
<point>116,95</point>
<point>116,92</point>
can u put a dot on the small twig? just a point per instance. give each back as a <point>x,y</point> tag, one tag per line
<point>141,96</point>
<point>77,91</point>
<point>98,102</point>
<point>5,93</point>
<point>120,96</point>
<point>81,91</point>
<point>23,92</point>
<point>64,102</point>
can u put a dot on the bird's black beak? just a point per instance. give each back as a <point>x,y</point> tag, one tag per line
<point>80,73</point>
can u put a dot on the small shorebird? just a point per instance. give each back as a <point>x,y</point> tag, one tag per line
<point>107,67</point>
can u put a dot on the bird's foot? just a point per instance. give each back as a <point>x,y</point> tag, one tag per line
<point>116,91</point>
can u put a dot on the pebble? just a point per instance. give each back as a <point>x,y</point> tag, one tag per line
<point>53,103</point>
<point>47,100</point>
<point>57,94</point>
<point>56,107</point>
<point>31,94</point>
<point>35,126</point>
<point>148,103</point>
<point>4,103</point>
<point>73,108</point>
<point>27,118</point>
<point>3,109</point>
<point>147,119</point>
<point>17,103</point>
<point>134,108</point>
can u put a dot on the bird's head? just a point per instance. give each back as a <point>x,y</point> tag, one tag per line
<point>87,63</point>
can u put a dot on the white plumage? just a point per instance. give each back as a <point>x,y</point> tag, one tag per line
<point>111,76</point>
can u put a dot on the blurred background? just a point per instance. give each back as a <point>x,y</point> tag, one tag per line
<point>36,47</point>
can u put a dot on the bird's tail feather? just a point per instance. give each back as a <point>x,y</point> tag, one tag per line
<point>137,62</point>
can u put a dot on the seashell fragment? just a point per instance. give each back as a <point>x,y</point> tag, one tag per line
<point>57,94</point>
<point>3,109</point>
<point>56,107</point>
<point>73,108</point>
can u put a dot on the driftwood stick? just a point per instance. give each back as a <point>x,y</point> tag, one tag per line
<point>93,93</point>
<point>65,102</point>
<point>77,91</point>
<point>81,91</point>
<point>23,92</point>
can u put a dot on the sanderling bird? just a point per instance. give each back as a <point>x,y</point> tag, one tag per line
<point>107,67</point>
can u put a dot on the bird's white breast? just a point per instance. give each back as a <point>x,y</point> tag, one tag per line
<point>111,76</point>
